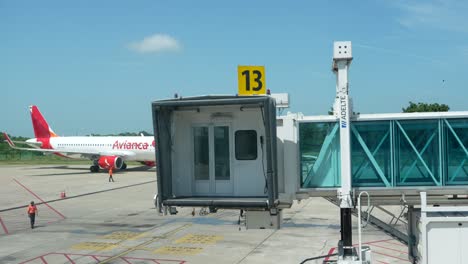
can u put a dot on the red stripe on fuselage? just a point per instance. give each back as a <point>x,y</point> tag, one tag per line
<point>45,143</point>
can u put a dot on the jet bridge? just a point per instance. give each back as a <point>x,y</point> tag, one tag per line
<point>394,156</point>
<point>217,152</point>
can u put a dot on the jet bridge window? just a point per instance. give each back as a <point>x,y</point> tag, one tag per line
<point>246,144</point>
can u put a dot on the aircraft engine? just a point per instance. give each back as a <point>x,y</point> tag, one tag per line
<point>107,162</point>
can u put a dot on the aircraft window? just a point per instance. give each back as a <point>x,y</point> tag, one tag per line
<point>246,144</point>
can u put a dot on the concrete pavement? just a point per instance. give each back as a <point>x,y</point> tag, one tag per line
<point>117,223</point>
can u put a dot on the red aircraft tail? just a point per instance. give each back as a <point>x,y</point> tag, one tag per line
<point>41,128</point>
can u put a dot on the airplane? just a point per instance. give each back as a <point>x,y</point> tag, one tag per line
<point>106,152</point>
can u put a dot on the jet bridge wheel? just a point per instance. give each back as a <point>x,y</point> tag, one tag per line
<point>94,168</point>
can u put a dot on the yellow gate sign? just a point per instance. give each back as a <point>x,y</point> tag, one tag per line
<point>251,80</point>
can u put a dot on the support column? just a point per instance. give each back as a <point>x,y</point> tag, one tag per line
<point>342,57</point>
<point>346,231</point>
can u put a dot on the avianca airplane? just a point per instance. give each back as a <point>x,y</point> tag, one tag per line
<point>105,152</point>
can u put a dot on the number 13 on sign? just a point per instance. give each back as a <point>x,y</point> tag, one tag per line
<point>251,80</point>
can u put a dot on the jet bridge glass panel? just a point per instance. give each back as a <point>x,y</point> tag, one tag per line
<point>387,153</point>
<point>456,132</point>
<point>201,153</point>
<point>221,148</point>
<point>417,153</point>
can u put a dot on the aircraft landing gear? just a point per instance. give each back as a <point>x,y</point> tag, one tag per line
<point>94,168</point>
<point>124,166</point>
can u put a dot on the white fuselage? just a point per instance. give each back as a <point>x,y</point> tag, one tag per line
<point>129,148</point>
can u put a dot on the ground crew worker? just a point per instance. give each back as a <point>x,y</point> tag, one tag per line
<point>110,175</point>
<point>32,212</point>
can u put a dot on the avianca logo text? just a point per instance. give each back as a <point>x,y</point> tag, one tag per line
<point>130,145</point>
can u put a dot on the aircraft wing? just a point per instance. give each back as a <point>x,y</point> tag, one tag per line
<point>33,144</point>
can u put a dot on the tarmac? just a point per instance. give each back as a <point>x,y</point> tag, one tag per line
<point>104,222</point>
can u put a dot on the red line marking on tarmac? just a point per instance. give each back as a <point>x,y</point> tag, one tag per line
<point>41,257</point>
<point>329,253</point>
<point>383,254</point>
<point>401,245</point>
<point>132,258</point>
<point>44,202</point>
<point>377,241</point>
<point>43,260</point>
<point>96,257</point>
<point>373,244</point>
<point>124,259</point>
<point>396,250</point>
<point>4,226</point>
<point>382,262</point>
<point>71,261</point>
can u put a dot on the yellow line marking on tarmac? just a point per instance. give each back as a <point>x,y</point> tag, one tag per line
<point>171,250</point>
<point>139,236</point>
<point>165,235</point>
<point>122,235</point>
<point>138,248</point>
<point>94,246</point>
<point>199,239</point>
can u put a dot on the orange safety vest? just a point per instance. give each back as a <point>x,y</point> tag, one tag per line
<point>32,209</point>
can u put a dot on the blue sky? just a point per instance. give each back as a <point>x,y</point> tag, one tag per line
<point>96,66</point>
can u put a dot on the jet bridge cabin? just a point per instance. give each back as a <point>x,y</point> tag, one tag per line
<point>216,151</point>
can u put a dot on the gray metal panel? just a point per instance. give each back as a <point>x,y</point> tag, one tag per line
<point>398,196</point>
<point>161,124</point>
<point>272,166</point>
<point>219,202</point>
<point>212,101</point>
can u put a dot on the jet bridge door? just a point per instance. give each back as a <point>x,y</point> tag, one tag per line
<point>212,147</point>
